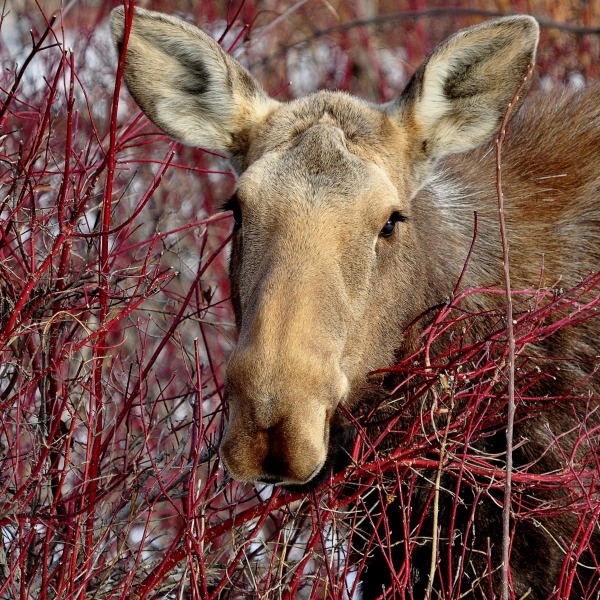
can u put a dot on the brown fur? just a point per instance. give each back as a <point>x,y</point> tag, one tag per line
<point>322,298</point>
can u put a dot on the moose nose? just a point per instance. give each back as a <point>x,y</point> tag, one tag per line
<point>286,453</point>
<point>280,408</point>
<point>291,464</point>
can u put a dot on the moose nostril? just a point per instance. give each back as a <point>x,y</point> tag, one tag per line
<point>290,451</point>
<point>275,466</point>
<point>281,466</point>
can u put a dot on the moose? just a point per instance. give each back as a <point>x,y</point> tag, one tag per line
<point>354,218</point>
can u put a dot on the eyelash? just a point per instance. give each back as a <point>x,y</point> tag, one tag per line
<point>388,229</point>
<point>234,206</point>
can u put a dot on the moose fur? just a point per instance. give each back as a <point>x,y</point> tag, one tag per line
<point>352,219</point>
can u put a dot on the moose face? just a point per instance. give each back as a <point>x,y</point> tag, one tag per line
<point>331,258</point>
<point>323,227</point>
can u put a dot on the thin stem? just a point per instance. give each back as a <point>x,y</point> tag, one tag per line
<point>504,571</point>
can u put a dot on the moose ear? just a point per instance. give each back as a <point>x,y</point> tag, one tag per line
<point>458,97</point>
<point>186,84</point>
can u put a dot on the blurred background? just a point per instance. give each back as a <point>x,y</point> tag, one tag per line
<point>115,324</point>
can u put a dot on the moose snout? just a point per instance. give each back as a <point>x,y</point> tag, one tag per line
<point>286,453</point>
<point>279,416</point>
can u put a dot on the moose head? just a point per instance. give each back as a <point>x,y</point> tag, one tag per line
<point>332,256</point>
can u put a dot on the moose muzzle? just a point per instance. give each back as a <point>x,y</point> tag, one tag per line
<point>280,412</point>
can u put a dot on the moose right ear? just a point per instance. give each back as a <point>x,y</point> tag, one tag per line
<point>458,97</point>
<point>186,84</point>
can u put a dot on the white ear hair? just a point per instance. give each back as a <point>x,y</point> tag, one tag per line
<point>186,84</point>
<point>457,98</point>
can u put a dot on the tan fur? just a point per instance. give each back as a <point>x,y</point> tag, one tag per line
<point>321,298</point>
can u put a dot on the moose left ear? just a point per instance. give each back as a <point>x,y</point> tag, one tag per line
<point>458,97</point>
<point>186,84</point>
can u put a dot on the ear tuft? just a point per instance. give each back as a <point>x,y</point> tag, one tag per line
<point>186,84</point>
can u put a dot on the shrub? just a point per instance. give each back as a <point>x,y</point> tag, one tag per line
<point>115,324</point>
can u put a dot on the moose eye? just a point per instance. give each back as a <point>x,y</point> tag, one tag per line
<point>234,206</point>
<point>388,228</point>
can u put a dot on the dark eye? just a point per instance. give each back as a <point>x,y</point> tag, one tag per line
<point>388,228</point>
<point>234,206</point>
